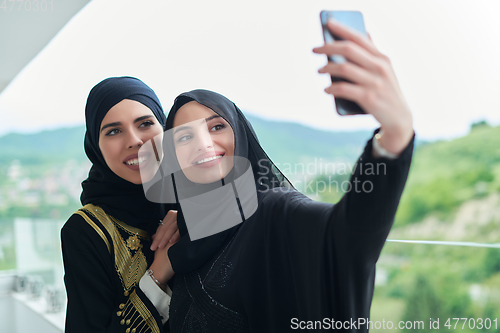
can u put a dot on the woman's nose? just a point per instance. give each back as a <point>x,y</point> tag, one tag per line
<point>204,140</point>
<point>134,140</point>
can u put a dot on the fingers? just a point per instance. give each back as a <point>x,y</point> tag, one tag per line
<point>164,232</point>
<point>372,82</point>
<point>355,47</point>
<point>349,72</point>
<point>352,52</point>
<point>154,245</point>
<point>171,216</point>
<point>168,235</point>
<point>156,239</point>
<point>175,237</point>
<point>345,32</point>
<point>164,235</point>
<point>348,91</point>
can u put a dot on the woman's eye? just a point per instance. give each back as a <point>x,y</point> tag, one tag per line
<point>184,138</point>
<point>218,127</point>
<point>112,132</point>
<point>147,123</point>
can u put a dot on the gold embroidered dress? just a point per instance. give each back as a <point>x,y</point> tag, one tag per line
<point>104,260</point>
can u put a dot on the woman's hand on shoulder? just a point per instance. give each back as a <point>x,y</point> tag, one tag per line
<point>166,235</point>
<point>374,85</point>
<point>167,232</point>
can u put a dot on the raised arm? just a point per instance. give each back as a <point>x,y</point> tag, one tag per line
<point>383,167</point>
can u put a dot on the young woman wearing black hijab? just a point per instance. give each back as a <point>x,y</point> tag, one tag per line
<point>292,263</point>
<point>106,245</point>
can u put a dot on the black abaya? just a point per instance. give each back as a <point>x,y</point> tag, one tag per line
<point>294,263</point>
<point>104,261</point>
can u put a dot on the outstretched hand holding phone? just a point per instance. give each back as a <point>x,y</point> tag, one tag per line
<point>373,84</point>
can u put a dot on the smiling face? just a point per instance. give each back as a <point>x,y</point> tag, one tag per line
<point>124,129</point>
<point>204,143</point>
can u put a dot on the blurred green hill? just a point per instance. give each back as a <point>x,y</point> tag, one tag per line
<point>40,173</point>
<point>445,174</point>
<point>452,194</point>
<point>49,146</point>
<point>285,142</point>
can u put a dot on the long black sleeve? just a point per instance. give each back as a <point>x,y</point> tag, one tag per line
<point>319,258</point>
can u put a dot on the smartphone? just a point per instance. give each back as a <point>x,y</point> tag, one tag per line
<point>353,19</point>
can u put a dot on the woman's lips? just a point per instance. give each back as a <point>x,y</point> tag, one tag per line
<point>208,161</point>
<point>139,161</point>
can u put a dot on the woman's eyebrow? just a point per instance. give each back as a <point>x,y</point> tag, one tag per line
<point>110,125</point>
<point>142,118</point>
<point>212,117</point>
<point>204,120</point>
<point>177,129</point>
<point>119,123</point>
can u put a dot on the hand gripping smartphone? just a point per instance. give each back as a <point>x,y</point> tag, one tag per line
<point>354,20</point>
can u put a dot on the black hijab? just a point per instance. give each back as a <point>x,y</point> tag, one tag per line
<point>187,255</point>
<point>118,197</point>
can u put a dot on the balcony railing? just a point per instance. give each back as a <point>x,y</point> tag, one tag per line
<point>422,284</point>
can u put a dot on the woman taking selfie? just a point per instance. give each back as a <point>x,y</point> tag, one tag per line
<point>106,244</point>
<point>292,263</point>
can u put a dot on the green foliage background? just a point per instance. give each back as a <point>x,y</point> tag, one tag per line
<point>444,175</point>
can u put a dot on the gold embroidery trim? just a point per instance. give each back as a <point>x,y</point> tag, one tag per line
<point>133,318</point>
<point>130,268</point>
<point>130,229</point>
<point>134,243</point>
<point>96,228</point>
<point>144,312</point>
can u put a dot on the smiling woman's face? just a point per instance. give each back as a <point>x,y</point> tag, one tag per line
<point>125,128</point>
<point>204,143</point>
